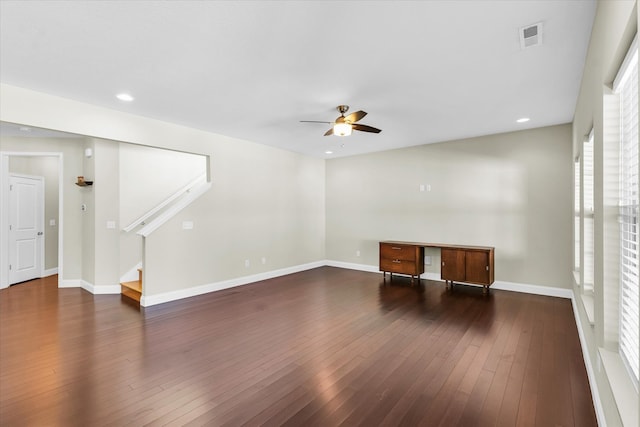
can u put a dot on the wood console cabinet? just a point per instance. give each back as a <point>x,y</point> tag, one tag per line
<point>401,258</point>
<point>467,264</point>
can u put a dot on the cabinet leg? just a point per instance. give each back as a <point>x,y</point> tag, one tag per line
<point>485,290</point>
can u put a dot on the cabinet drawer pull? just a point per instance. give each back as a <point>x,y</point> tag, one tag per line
<point>487,268</point>
<point>396,248</point>
<point>396,261</point>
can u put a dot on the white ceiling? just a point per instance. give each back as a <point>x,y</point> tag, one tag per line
<point>425,71</point>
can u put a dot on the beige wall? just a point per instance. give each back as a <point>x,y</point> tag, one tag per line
<point>47,167</point>
<point>264,202</point>
<point>509,191</point>
<point>614,27</point>
<point>149,176</point>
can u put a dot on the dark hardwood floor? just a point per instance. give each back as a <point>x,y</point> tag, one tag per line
<point>325,347</point>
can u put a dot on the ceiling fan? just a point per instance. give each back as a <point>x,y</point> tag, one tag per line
<point>344,125</point>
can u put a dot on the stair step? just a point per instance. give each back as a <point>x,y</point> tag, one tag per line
<point>132,289</point>
<point>136,285</point>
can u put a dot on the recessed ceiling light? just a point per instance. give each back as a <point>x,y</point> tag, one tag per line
<point>523,120</point>
<point>124,97</point>
<point>328,152</point>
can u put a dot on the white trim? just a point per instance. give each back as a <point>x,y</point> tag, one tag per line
<point>622,386</point>
<point>624,67</point>
<point>101,289</point>
<point>49,272</point>
<point>90,287</point>
<point>549,291</point>
<point>147,301</point>
<point>595,395</point>
<point>173,210</point>
<point>186,189</point>
<point>352,266</point>
<point>498,284</point>
<point>70,283</point>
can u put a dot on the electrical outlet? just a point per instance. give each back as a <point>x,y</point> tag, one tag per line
<point>264,260</point>
<point>247,263</point>
<point>357,253</point>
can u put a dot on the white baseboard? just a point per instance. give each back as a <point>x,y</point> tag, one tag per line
<point>147,301</point>
<point>89,287</point>
<point>104,289</point>
<point>595,395</point>
<point>49,272</point>
<point>549,291</point>
<point>352,266</point>
<point>498,284</point>
<point>70,283</point>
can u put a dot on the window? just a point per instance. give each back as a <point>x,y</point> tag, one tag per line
<point>588,201</point>
<point>576,216</point>
<point>626,86</point>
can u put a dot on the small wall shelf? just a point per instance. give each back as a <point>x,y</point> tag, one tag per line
<point>84,184</point>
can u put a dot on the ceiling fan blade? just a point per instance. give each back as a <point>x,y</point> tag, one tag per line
<point>365,128</point>
<point>354,117</point>
<point>329,132</point>
<point>313,121</point>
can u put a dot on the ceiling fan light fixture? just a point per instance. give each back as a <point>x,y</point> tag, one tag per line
<point>342,129</point>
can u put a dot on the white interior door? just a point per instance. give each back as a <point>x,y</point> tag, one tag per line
<point>26,216</point>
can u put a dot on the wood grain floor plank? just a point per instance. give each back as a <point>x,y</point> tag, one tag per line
<point>322,347</point>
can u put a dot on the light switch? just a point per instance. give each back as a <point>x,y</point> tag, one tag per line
<point>187,225</point>
<point>52,222</point>
<point>111,225</point>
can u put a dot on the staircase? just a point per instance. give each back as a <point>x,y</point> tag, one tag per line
<point>133,289</point>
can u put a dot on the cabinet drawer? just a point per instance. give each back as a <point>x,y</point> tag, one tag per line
<point>399,266</point>
<point>398,252</point>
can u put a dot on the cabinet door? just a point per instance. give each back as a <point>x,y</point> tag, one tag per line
<point>453,265</point>
<point>477,267</point>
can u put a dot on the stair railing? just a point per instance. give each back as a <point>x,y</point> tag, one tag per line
<point>188,189</point>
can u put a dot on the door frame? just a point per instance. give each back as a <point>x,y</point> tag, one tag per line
<point>4,211</point>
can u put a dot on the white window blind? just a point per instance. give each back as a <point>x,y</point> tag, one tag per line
<point>589,225</point>
<point>626,85</point>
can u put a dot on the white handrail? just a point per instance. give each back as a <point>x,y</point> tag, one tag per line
<point>187,188</point>
<point>174,209</point>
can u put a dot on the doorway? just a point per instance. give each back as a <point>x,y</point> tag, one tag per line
<point>6,255</point>
<point>26,227</point>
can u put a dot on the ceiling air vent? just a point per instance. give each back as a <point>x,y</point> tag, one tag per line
<point>531,35</point>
